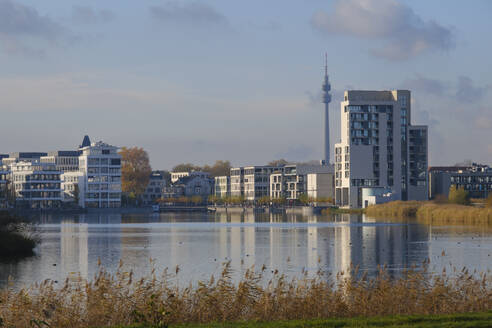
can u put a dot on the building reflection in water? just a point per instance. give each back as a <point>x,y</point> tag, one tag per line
<point>200,243</point>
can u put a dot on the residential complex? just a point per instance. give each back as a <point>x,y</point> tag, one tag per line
<point>379,148</point>
<point>4,176</point>
<point>193,184</point>
<point>291,181</point>
<point>36,185</point>
<point>475,178</point>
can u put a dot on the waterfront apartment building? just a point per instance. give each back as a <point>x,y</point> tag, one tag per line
<point>36,185</point>
<point>379,147</point>
<point>237,182</point>
<point>100,164</point>
<point>65,160</point>
<point>222,186</point>
<point>291,181</point>
<point>175,176</point>
<point>257,182</point>
<point>475,178</point>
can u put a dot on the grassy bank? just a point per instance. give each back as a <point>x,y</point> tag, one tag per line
<point>423,321</point>
<point>119,299</point>
<point>336,210</point>
<point>432,212</point>
<point>15,242</point>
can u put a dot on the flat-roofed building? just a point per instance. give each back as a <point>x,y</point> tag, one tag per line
<point>100,164</point>
<point>257,182</point>
<point>237,182</point>
<point>475,178</point>
<point>290,181</point>
<point>321,185</point>
<point>222,186</point>
<point>379,147</point>
<point>36,185</point>
<point>65,160</point>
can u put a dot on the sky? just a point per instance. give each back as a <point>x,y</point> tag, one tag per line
<point>200,81</point>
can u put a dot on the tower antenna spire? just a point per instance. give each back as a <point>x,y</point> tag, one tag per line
<point>326,64</point>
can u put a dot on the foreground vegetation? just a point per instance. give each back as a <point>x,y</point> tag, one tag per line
<point>159,301</point>
<point>436,213</point>
<point>14,240</point>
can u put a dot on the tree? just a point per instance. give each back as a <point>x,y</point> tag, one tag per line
<point>220,168</point>
<point>186,167</point>
<point>76,194</point>
<point>135,170</point>
<point>458,195</point>
<point>278,162</point>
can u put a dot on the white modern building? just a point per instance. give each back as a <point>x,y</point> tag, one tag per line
<point>291,181</point>
<point>257,182</point>
<point>65,160</point>
<point>100,164</point>
<point>379,147</point>
<point>237,182</point>
<point>36,185</point>
<point>23,157</point>
<point>72,185</point>
<point>222,186</point>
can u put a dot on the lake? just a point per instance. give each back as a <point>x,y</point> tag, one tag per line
<point>199,243</point>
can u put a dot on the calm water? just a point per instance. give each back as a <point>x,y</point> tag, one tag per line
<point>199,243</point>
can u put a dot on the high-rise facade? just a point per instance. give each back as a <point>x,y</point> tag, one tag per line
<point>100,164</point>
<point>379,148</point>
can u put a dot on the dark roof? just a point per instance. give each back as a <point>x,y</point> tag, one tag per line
<point>3,156</point>
<point>86,142</point>
<point>449,168</point>
<point>21,155</point>
<point>66,153</point>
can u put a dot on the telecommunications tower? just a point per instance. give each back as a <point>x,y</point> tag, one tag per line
<point>326,101</point>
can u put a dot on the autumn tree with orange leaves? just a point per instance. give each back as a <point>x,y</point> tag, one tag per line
<point>135,171</point>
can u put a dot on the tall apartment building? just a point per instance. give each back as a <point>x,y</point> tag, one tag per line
<point>65,160</point>
<point>379,148</point>
<point>101,165</point>
<point>37,185</point>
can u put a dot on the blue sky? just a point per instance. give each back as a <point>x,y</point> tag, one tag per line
<point>197,81</point>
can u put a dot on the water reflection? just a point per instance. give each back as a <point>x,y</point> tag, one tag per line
<point>199,243</point>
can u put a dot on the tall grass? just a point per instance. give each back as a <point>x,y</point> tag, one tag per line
<point>120,299</point>
<point>433,212</point>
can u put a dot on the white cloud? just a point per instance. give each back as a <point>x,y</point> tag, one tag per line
<point>403,33</point>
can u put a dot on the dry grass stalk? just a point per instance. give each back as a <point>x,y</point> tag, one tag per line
<point>120,299</point>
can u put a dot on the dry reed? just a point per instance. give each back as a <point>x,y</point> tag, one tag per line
<point>119,299</point>
<point>433,212</point>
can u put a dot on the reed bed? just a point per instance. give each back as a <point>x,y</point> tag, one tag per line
<point>433,212</point>
<point>157,300</point>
